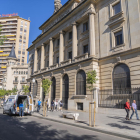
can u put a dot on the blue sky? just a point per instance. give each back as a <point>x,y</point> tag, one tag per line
<point>38,11</point>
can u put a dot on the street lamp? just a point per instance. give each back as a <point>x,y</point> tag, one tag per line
<point>33,80</point>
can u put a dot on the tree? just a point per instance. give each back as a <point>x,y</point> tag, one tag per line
<point>2,38</point>
<point>91,79</point>
<point>2,92</point>
<point>26,89</point>
<point>46,83</point>
<point>14,91</point>
<point>8,92</point>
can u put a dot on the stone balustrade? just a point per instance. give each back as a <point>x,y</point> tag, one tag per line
<point>54,66</point>
<point>66,62</point>
<point>81,57</point>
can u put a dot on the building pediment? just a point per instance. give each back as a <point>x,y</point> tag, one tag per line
<point>57,16</point>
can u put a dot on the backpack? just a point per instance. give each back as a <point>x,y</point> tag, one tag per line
<point>124,105</point>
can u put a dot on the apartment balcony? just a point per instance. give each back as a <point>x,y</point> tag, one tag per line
<point>23,82</point>
<point>4,31</point>
<point>7,27</point>
<point>15,81</point>
<point>12,23</point>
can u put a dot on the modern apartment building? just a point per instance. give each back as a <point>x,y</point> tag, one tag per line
<point>86,35</point>
<point>16,30</point>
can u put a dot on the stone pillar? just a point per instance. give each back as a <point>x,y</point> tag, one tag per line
<point>42,56</point>
<point>51,52</point>
<point>61,55</point>
<point>91,34</point>
<point>74,40</point>
<point>35,60</point>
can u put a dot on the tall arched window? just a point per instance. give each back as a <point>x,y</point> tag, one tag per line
<point>121,77</point>
<point>53,87</point>
<point>35,86</point>
<point>65,93</point>
<point>81,83</point>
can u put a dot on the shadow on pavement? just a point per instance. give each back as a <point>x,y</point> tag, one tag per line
<point>120,126</point>
<point>13,128</point>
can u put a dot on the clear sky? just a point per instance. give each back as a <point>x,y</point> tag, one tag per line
<point>38,11</point>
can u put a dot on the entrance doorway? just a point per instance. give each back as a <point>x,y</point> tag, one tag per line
<point>53,87</point>
<point>65,92</point>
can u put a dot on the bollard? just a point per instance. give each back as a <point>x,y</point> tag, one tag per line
<point>91,118</point>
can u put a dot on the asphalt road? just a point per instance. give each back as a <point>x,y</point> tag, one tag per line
<point>32,128</point>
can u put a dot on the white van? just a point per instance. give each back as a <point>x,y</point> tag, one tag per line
<point>12,104</point>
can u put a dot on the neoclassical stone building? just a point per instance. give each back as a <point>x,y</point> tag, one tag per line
<point>85,35</point>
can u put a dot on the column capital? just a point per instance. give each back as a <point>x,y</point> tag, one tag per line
<point>62,32</point>
<point>74,23</point>
<point>50,38</point>
<point>91,11</point>
<point>43,44</point>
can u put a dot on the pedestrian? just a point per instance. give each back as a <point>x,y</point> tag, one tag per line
<point>56,104</point>
<point>61,105</point>
<point>38,106</point>
<point>47,105</point>
<point>127,109</point>
<point>21,109</point>
<point>134,110</point>
<point>52,105</point>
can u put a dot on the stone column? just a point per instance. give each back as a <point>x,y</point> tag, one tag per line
<point>91,34</point>
<point>74,40</point>
<point>51,52</point>
<point>35,60</point>
<point>61,55</point>
<point>42,56</point>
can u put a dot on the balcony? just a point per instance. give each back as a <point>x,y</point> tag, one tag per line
<point>23,82</point>
<point>15,81</point>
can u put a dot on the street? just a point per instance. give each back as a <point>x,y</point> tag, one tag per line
<point>31,128</point>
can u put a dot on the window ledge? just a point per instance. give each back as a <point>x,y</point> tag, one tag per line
<point>122,19</point>
<point>122,45</point>
<point>79,97</point>
<point>117,15</point>
<point>65,62</point>
<point>84,32</point>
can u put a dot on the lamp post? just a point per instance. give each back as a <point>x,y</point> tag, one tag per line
<point>33,80</point>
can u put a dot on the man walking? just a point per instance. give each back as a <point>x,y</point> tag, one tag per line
<point>21,110</point>
<point>52,106</point>
<point>127,108</point>
<point>134,109</point>
<point>39,104</point>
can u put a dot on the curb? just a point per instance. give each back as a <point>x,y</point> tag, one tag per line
<point>90,128</point>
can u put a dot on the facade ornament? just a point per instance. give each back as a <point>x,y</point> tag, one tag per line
<point>64,71</point>
<point>118,59</point>
<point>79,65</point>
<point>51,75</point>
<point>57,5</point>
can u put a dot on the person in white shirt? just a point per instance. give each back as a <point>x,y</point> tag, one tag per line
<point>56,104</point>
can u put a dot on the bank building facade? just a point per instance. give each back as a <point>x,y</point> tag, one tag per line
<point>86,35</point>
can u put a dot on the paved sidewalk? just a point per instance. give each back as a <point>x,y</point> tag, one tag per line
<point>107,120</point>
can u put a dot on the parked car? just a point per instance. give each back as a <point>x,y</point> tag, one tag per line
<point>11,106</point>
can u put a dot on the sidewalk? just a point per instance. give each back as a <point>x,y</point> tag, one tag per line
<point>110,121</point>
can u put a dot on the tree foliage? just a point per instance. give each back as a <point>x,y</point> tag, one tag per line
<point>46,83</point>
<point>91,79</point>
<point>26,89</point>
<point>3,92</point>
<point>2,38</point>
<point>14,91</point>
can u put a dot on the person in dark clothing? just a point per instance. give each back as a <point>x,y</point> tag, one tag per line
<point>127,109</point>
<point>52,105</point>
